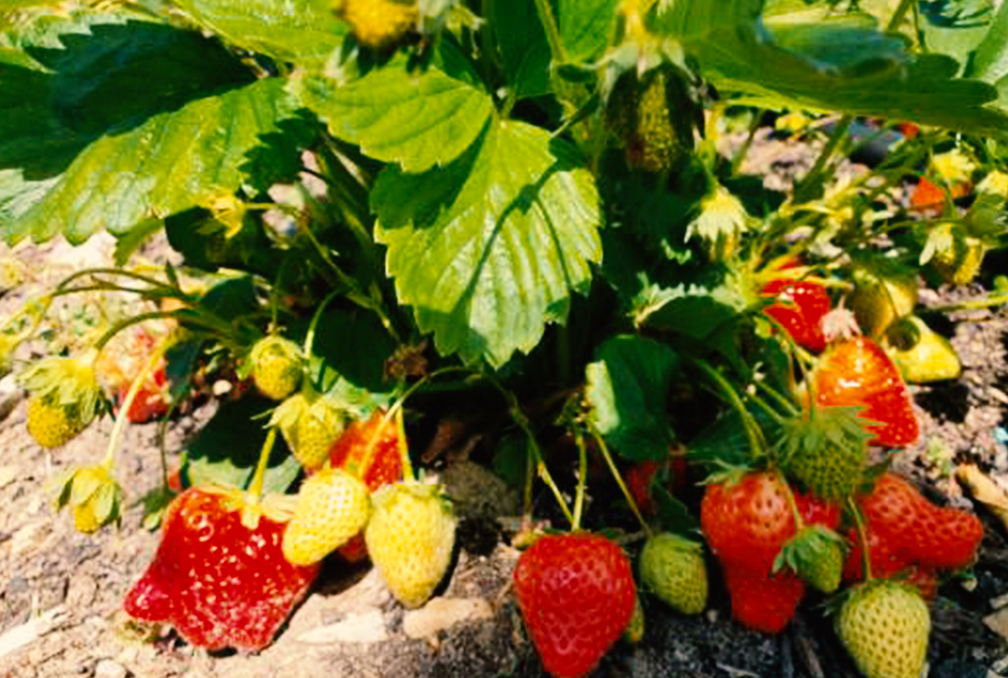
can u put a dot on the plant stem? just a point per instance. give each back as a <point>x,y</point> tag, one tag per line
<point>898,15</point>
<point>604,449</point>
<point>762,404</point>
<point>256,486</point>
<point>309,340</point>
<point>757,444</point>
<point>781,400</point>
<point>523,423</point>
<point>582,480</point>
<point>552,31</point>
<point>123,415</point>
<point>744,150</point>
<point>804,187</point>
<point>862,534</point>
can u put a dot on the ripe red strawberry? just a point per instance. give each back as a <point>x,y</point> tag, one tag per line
<point>927,197</point>
<point>576,594</point>
<point>749,521</point>
<point>858,373</point>
<point>799,309</point>
<point>886,565</point>
<point>916,530</point>
<point>219,583</point>
<point>385,465</point>
<point>763,603</point>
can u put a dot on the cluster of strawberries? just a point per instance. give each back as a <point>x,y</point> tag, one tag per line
<point>232,564</point>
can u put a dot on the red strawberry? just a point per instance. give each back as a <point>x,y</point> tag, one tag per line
<point>918,531</point>
<point>749,521</point>
<point>858,373</point>
<point>576,594</point>
<point>385,466</point>
<point>799,310</point>
<point>886,565</point>
<point>763,603</point>
<point>641,476</point>
<point>219,583</point>
<point>927,197</point>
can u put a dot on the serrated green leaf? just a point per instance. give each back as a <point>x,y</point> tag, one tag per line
<point>304,32</point>
<point>523,47</point>
<point>627,389</point>
<point>586,27</point>
<point>227,448</point>
<point>130,120</point>
<point>488,250</point>
<point>863,76</point>
<point>415,119</point>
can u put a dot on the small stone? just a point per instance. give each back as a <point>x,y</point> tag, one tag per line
<point>106,668</point>
<point>222,387</point>
<point>81,592</point>
<point>367,626</point>
<point>442,613</point>
<point>998,622</point>
<point>8,474</point>
<point>30,537</point>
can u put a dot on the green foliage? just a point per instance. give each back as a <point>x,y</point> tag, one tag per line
<point>627,389</point>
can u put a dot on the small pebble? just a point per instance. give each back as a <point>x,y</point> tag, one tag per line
<point>107,668</point>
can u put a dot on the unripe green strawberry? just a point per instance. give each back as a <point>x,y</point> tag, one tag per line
<point>885,626</point>
<point>379,23</point>
<point>51,424</point>
<point>825,448</point>
<point>653,116</point>
<point>816,554</point>
<point>969,265</point>
<point>673,569</point>
<point>410,538</point>
<point>276,366</point>
<point>332,507</point>
<point>91,492</point>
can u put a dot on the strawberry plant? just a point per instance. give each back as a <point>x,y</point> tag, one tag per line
<point>391,213</point>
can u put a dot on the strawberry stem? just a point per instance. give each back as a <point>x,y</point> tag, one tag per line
<point>582,480</point>
<point>862,534</point>
<point>753,432</point>
<point>778,397</point>
<point>770,412</point>
<point>138,382</point>
<point>604,449</point>
<point>789,494</point>
<point>255,488</point>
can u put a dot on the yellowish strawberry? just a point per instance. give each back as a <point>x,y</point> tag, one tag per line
<point>276,366</point>
<point>881,298</point>
<point>91,492</point>
<point>310,423</point>
<point>64,398</point>
<point>921,354</point>
<point>379,23</point>
<point>410,538</point>
<point>332,507</point>
<point>885,626</point>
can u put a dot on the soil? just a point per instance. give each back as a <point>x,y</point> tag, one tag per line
<point>60,591</point>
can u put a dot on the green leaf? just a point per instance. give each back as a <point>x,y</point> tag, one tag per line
<point>586,27</point>
<point>131,120</point>
<point>227,448</point>
<point>839,67</point>
<point>488,249</point>
<point>523,47</point>
<point>305,32</point>
<point>990,62</point>
<point>955,28</point>
<point>418,120</point>
<point>348,358</point>
<point>627,389</point>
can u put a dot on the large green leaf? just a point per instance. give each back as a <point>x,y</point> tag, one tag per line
<point>111,122</point>
<point>990,63</point>
<point>301,31</point>
<point>416,119</point>
<point>488,249</point>
<point>627,389</point>
<point>586,26</point>
<point>853,71</point>
<point>523,46</point>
